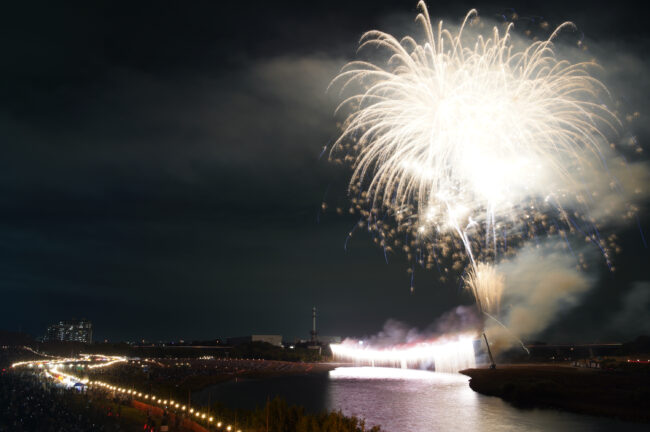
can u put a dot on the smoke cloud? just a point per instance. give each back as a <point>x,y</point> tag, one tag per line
<point>632,318</point>
<point>460,320</point>
<point>542,282</point>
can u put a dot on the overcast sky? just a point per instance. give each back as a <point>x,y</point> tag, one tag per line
<point>161,173</point>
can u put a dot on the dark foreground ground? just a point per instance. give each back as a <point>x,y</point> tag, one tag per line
<point>622,394</point>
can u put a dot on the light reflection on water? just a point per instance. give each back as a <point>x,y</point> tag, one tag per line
<point>405,400</point>
<point>421,401</point>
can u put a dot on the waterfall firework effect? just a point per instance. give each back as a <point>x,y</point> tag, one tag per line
<point>449,355</point>
<point>465,146</point>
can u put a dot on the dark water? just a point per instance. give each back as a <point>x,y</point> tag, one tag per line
<point>408,401</point>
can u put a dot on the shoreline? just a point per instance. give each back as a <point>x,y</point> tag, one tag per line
<point>621,395</point>
<point>170,378</point>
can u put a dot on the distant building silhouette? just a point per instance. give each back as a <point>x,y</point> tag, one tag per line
<point>70,331</point>
<point>271,339</point>
<point>326,340</point>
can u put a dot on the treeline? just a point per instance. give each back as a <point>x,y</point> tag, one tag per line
<point>278,416</point>
<point>640,345</point>
<point>267,351</point>
<point>251,350</point>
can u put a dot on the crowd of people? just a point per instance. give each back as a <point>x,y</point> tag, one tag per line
<point>29,404</point>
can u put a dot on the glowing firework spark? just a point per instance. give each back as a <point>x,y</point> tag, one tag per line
<point>486,285</point>
<point>444,356</point>
<point>471,140</point>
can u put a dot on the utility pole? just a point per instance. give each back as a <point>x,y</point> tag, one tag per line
<point>314,333</point>
<point>487,344</point>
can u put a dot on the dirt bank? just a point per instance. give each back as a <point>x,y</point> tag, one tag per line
<point>624,395</point>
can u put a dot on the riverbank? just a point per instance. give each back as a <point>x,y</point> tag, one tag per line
<point>179,377</point>
<point>619,394</point>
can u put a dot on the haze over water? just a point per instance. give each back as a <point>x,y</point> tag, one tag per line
<point>406,401</point>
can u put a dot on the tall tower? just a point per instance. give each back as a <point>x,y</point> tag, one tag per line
<point>314,339</point>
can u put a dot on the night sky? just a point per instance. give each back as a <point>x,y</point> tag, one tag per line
<point>161,174</point>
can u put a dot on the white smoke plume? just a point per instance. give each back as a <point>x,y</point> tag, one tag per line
<point>632,318</point>
<point>542,283</point>
<point>460,320</point>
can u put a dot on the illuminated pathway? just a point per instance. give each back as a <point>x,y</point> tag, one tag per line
<point>51,369</point>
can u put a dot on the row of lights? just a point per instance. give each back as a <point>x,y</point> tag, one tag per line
<point>161,401</point>
<point>133,393</point>
<point>108,361</point>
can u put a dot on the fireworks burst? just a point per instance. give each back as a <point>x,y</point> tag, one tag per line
<point>463,145</point>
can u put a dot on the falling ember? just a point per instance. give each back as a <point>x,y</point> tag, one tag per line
<point>449,355</point>
<point>464,146</point>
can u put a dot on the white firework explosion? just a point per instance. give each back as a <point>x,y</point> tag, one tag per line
<point>462,140</point>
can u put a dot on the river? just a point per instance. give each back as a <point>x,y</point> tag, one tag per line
<point>405,401</point>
